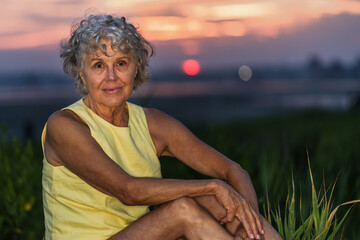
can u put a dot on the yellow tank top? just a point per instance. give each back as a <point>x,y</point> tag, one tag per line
<point>75,210</point>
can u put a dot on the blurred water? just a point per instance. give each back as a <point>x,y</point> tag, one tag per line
<point>26,103</point>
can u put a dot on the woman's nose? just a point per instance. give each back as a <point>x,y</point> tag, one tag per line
<point>111,75</point>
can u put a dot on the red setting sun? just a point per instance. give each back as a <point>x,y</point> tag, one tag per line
<point>191,67</point>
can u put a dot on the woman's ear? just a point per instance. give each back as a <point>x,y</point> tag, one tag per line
<point>136,71</point>
<point>81,74</point>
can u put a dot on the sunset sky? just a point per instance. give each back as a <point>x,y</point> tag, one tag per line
<point>278,29</point>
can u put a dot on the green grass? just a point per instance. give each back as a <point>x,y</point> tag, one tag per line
<point>21,214</point>
<point>320,223</point>
<point>274,152</point>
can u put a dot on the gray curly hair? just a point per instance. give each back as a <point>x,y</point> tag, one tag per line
<point>86,36</point>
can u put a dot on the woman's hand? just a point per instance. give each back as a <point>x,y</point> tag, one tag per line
<point>237,206</point>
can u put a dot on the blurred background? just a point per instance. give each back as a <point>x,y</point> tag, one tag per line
<point>262,81</point>
<point>247,58</point>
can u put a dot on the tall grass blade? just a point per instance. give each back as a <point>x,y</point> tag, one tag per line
<point>337,226</point>
<point>286,221</point>
<point>301,229</point>
<point>314,198</point>
<point>278,220</point>
<point>335,210</point>
<point>291,219</point>
<point>308,229</point>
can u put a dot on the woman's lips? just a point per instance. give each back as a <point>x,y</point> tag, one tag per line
<point>112,90</point>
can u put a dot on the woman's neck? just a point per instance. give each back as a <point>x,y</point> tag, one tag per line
<point>117,115</point>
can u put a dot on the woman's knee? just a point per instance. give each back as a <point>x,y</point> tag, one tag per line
<point>184,205</point>
<point>188,211</point>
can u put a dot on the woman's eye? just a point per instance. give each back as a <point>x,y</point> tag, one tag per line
<point>98,65</point>
<point>121,63</point>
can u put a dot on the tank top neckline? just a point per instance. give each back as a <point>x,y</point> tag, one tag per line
<point>106,122</point>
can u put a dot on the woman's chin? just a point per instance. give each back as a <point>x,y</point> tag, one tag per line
<point>115,101</point>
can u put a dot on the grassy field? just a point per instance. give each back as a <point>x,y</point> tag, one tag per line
<point>273,150</point>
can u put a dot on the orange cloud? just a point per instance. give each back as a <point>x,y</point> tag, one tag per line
<point>25,24</point>
<point>32,39</point>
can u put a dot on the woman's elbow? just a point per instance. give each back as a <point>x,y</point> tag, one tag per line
<point>245,173</point>
<point>127,195</point>
<point>126,199</point>
<point>239,170</point>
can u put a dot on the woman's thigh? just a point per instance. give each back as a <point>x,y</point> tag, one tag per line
<point>183,217</point>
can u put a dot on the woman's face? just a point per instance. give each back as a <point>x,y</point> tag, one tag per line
<point>109,77</point>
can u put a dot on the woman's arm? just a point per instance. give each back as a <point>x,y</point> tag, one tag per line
<point>69,143</point>
<point>172,138</point>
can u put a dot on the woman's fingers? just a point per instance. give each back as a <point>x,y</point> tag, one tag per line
<point>230,215</point>
<point>246,222</point>
<point>252,220</point>
<point>249,219</point>
<point>240,233</point>
<point>258,222</point>
<point>247,228</point>
<point>236,206</point>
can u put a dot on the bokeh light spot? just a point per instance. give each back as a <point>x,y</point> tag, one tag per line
<point>191,67</point>
<point>245,73</point>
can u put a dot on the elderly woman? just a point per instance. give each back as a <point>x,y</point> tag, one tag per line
<point>101,169</point>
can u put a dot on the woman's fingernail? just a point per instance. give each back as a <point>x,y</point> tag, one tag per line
<point>252,236</point>
<point>262,231</point>
<point>257,236</point>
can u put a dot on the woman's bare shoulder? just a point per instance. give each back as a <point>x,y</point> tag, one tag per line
<point>64,130</point>
<point>158,116</point>
<point>153,111</point>
<point>160,121</point>
<point>165,130</point>
<point>61,117</point>
<point>64,121</point>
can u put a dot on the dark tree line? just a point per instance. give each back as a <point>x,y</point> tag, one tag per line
<point>335,69</point>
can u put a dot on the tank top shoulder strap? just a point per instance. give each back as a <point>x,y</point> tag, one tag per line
<point>79,108</point>
<point>85,114</point>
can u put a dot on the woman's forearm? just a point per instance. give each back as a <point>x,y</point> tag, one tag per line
<point>153,191</point>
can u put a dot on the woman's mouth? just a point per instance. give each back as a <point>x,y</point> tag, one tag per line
<point>112,90</point>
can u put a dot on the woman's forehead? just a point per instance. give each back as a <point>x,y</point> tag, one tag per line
<point>108,50</point>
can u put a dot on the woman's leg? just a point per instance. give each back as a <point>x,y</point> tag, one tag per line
<point>235,228</point>
<point>181,217</point>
